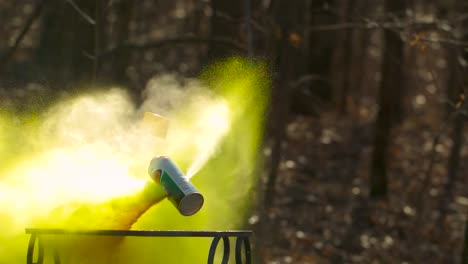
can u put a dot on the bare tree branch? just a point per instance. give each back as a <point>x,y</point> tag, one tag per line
<point>373,24</point>
<point>395,27</point>
<point>339,26</point>
<point>305,79</point>
<point>81,12</point>
<point>35,14</point>
<point>446,41</point>
<point>255,24</point>
<point>98,36</point>
<point>172,41</point>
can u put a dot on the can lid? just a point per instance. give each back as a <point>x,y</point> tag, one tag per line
<point>191,203</point>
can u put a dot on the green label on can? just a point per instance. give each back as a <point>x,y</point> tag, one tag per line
<point>171,187</point>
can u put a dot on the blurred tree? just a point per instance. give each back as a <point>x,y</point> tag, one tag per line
<point>342,56</point>
<point>457,82</point>
<point>389,99</point>
<point>121,60</point>
<point>66,47</point>
<point>286,64</point>
<point>99,36</point>
<point>359,46</point>
<point>312,90</point>
<point>321,51</point>
<point>465,243</point>
<point>225,23</point>
<point>307,89</point>
<point>29,22</point>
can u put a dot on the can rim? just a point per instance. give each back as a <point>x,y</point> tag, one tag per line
<point>191,203</point>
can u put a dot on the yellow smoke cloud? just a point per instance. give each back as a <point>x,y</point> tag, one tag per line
<point>82,163</point>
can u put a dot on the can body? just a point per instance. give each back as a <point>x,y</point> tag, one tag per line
<point>182,193</point>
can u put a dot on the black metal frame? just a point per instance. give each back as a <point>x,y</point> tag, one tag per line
<point>242,240</point>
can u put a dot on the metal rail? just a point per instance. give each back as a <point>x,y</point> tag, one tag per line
<point>242,241</point>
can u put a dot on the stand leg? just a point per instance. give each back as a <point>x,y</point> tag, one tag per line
<point>56,256</point>
<point>213,247</point>
<point>31,247</point>
<point>245,241</point>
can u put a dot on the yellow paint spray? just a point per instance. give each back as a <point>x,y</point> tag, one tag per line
<point>83,164</point>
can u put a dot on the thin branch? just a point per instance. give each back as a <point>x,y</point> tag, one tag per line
<point>81,12</point>
<point>305,79</point>
<point>98,35</point>
<point>88,55</point>
<point>446,41</point>
<point>35,14</point>
<point>256,25</point>
<point>457,111</point>
<point>428,174</point>
<point>339,26</point>
<point>372,25</point>
<point>172,41</point>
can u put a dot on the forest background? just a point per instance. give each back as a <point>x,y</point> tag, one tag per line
<point>365,147</point>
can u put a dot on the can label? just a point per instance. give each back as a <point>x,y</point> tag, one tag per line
<point>171,187</point>
<point>180,191</point>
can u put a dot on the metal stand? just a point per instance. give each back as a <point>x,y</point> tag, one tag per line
<point>242,240</point>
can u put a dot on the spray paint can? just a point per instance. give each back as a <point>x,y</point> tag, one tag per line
<point>182,193</point>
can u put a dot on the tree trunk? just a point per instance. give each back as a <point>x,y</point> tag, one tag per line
<point>342,57</point>
<point>454,158</point>
<point>465,243</point>
<point>225,23</point>
<point>389,105</point>
<point>455,93</point>
<point>453,163</point>
<point>99,37</point>
<point>66,43</point>
<point>286,61</point>
<point>120,61</point>
<point>359,53</point>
